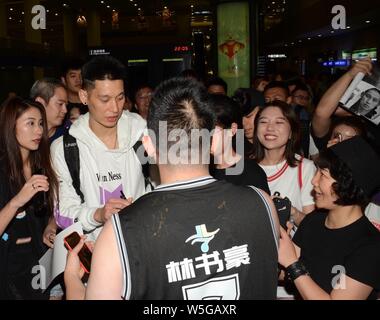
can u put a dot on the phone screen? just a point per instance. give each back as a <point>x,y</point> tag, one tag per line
<point>84,254</point>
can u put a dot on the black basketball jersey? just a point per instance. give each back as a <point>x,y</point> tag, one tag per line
<point>200,239</point>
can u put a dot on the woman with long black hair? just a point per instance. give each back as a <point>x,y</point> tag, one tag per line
<point>28,187</point>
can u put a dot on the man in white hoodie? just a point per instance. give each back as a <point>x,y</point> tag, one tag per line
<point>110,171</point>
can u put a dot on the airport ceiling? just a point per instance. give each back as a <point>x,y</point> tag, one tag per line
<point>125,7</point>
<point>291,18</point>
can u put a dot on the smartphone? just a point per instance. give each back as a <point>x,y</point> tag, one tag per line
<point>84,254</point>
<point>283,207</point>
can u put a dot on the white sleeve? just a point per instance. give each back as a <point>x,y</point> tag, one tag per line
<point>70,209</point>
<point>308,171</point>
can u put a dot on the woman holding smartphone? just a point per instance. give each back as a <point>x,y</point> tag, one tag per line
<point>26,198</point>
<point>335,253</point>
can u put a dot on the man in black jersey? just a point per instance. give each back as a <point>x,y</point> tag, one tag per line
<point>193,237</point>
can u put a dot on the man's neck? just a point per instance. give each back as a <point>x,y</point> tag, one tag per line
<point>51,131</point>
<point>107,135</point>
<point>73,97</point>
<point>174,173</point>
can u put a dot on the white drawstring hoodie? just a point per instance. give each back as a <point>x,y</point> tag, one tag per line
<point>104,173</point>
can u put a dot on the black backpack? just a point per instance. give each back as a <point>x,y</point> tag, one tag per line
<point>71,153</point>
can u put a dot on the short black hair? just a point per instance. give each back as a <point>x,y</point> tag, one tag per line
<point>371,89</point>
<point>351,121</point>
<point>142,86</point>
<point>183,103</point>
<point>302,87</point>
<point>277,84</point>
<point>347,191</point>
<point>189,73</point>
<point>227,111</point>
<point>71,64</point>
<point>102,68</point>
<point>216,81</point>
<point>248,100</point>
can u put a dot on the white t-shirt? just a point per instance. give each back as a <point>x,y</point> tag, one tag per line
<point>286,180</point>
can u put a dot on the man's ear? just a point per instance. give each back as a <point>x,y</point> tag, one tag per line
<point>149,147</point>
<point>289,100</point>
<point>83,96</point>
<point>216,141</point>
<point>42,101</point>
<point>63,81</point>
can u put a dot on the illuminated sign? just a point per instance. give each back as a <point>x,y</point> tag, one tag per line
<point>98,52</point>
<point>336,63</point>
<point>360,54</point>
<point>277,56</point>
<point>172,60</point>
<point>181,48</point>
<point>346,55</point>
<point>137,62</point>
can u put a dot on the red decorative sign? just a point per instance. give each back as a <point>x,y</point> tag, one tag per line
<point>181,48</point>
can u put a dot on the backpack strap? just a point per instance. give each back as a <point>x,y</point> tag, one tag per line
<point>71,153</point>
<point>300,173</point>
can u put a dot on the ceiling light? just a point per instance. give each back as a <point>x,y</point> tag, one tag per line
<point>368,21</point>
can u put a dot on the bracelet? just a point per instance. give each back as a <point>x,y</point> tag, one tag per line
<point>296,270</point>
